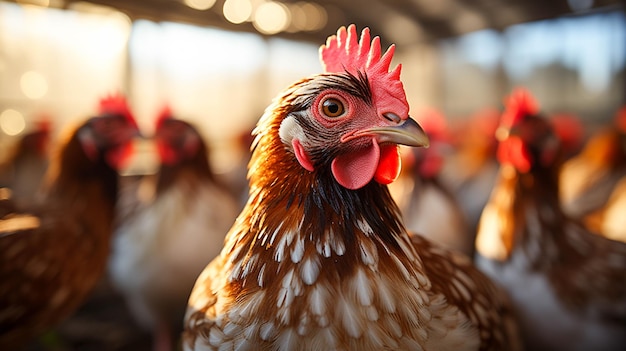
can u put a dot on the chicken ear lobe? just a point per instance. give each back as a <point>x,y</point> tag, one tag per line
<point>301,155</point>
<point>88,144</point>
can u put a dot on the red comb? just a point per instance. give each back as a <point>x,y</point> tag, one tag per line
<point>345,53</point>
<point>116,104</point>
<point>517,105</point>
<point>165,114</point>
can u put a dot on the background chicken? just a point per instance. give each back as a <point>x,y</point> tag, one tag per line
<point>588,180</point>
<point>428,206</point>
<point>470,170</point>
<point>51,256</point>
<point>319,258</point>
<point>567,283</point>
<point>24,166</point>
<point>170,227</point>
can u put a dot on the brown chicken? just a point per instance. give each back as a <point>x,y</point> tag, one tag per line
<point>567,283</point>
<point>171,225</point>
<point>52,255</point>
<point>588,180</point>
<point>319,258</point>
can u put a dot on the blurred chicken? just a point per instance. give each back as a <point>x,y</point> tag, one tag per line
<point>567,283</point>
<point>23,169</point>
<point>428,207</point>
<point>52,255</point>
<point>470,170</point>
<point>171,225</point>
<point>319,258</point>
<point>588,180</point>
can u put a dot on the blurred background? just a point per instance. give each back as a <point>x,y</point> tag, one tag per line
<point>218,63</point>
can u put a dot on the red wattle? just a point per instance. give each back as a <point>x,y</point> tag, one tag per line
<point>513,151</point>
<point>353,170</point>
<point>166,154</point>
<point>431,164</point>
<point>389,165</point>
<point>118,157</point>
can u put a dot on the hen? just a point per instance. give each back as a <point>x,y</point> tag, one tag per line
<point>588,180</point>
<point>171,225</point>
<point>428,206</point>
<point>567,283</point>
<point>319,258</point>
<point>51,256</point>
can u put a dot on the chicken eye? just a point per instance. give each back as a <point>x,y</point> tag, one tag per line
<point>332,107</point>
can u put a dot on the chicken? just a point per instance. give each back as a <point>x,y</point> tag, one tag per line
<point>52,255</point>
<point>588,180</point>
<point>24,168</point>
<point>171,225</point>
<point>430,208</point>
<point>567,283</point>
<point>470,170</point>
<point>319,258</point>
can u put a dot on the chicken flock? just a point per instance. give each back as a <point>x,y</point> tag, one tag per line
<point>503,233</point>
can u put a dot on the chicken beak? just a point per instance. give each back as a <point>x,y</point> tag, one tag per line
<point>408,133</point>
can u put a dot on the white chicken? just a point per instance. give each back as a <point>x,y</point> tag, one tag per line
<point>171,225</point>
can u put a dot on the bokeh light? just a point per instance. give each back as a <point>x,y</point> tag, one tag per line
<point>237,11</point>
<point>316,16</point>
<point>12,122</point>
<point>200,5</point>
<point>307,16</point>
<point>271,17</point>
<point>34,85</point>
